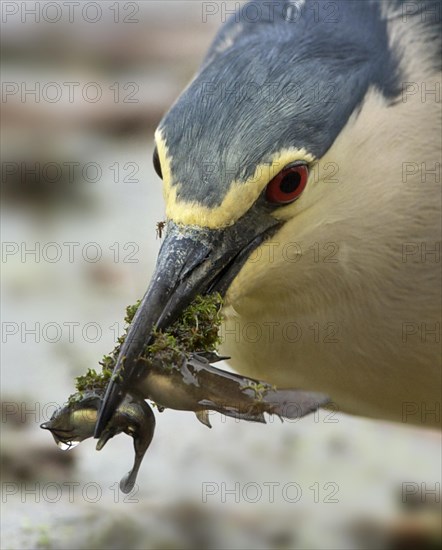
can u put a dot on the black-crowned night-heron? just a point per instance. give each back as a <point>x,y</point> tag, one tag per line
<point>301,173</point>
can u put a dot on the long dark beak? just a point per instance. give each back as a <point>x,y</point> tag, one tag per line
<point>191,261</point>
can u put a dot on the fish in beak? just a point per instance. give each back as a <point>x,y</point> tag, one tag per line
<point>192,261</point>
<point>193,384</point>
<point>75,422</point>
<point>179,380</point>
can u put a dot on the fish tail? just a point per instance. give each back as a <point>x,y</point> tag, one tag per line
<point>293,404</point>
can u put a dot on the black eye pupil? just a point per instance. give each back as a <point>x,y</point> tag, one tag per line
<point>290,182</point>
<point>157,163</point>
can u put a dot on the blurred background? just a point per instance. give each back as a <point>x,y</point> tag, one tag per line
<point>84,85</point>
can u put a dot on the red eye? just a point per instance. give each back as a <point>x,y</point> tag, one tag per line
<point>287,185</point>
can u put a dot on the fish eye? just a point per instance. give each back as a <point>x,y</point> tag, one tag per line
<point>157,163</point>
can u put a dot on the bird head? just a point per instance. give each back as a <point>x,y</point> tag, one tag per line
<point>237,151</point>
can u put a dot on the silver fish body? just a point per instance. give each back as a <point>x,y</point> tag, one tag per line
<point>196,385</point>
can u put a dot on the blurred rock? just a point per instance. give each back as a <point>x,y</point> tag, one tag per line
<point>24,454</point>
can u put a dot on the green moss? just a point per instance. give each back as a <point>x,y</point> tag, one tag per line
<point>198,327</point>
<point>130,312</point>
<point>164,349</point>
<point>92,381</point>
<point>197,330</point>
